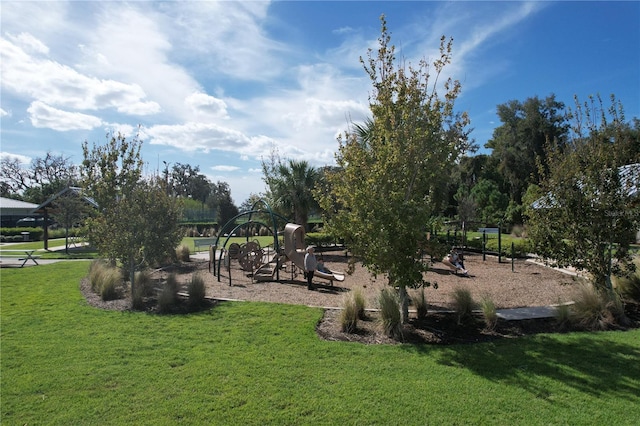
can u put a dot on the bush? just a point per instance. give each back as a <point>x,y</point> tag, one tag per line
<point>349,314</point>
<point>420,303</point>
<point>168,297</point>
<point>463,304</point>
<point>183,253</point>
<point>390,313</point>
<point>489,312</point>
<point>358,299</point>
<point>197,290</point>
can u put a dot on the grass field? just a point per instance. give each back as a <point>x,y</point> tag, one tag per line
<point>64,362</point>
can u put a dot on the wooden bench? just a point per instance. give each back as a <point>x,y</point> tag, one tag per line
<point>203,242</point>
<point>24,255</point>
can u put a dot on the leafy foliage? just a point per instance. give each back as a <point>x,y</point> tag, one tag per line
<point>383,193</point>
<point>291,185</point>
<point>588,205</point>
<point>138,221</point>
<point>519,143</point>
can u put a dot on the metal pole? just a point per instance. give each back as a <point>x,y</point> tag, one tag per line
<point>513,255</point>
<point>484,245</point>
<point>499,243</point>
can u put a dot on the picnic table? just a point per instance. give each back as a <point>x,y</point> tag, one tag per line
<point>23,254</point>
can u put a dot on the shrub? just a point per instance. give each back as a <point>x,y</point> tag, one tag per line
<point>358,299</point>
<point>489,312</point>
<point>463,304</point>
<point>349,314</point>
<point>183,252</point>
<point>168,296</point>
<point>420,303</point>
<point>197,290</point>
<point>390,313</point>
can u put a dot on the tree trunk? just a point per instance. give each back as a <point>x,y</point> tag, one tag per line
<point>132,279</point>
<point>404,304</point>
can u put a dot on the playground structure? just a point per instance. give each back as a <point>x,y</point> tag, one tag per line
<point>263,263</point>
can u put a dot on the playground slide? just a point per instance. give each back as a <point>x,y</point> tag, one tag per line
<point>295,250</point>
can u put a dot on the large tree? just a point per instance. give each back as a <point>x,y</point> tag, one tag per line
<point>588,211</point>
<point>44,177</point>
<point>137,223</point>
<point>519,142</point>
<point>383,192</point>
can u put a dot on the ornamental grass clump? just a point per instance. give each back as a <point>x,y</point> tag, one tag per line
<point>168,297</point>
<point>183,253</point>
<point>111,281</point>
<point>563,316</point>
<point>595,310</point>
<point>196,290</point>
<point>420,302</point>
<point>105,279</point>
<point>390,318</point>
<point>142,288</point>
<point>349,314</point>
<point>489,312</point>
<point>463,304</point>
<point>360,304</point>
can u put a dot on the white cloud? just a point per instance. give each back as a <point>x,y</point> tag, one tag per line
<point>23,159</point>
<point>4,113</point>
<point>29,43</point>
<point>206,105</point>
<point>56,84</point>
<point>45,116</point>
<point>223,168</point>
<point>194,136</point>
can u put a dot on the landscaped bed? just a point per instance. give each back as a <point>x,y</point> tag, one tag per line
<point>522,285</point>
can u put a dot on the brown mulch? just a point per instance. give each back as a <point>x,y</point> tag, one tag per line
<point>508,286</point>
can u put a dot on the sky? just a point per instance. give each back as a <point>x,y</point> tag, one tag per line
<point>220,85</point>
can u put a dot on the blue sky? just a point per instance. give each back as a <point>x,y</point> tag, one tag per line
<point>220,85</point>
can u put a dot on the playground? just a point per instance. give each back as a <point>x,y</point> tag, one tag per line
<point>528,284</point>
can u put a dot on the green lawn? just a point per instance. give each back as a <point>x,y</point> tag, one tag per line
<point>64,362</point>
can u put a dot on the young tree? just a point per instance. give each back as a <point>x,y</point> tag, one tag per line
<point>383,192</point>
<point>590,199</point>
<point>137,224</point>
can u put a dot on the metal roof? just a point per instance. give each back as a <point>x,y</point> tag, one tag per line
<point>629,182</point>
<point>9,203</point>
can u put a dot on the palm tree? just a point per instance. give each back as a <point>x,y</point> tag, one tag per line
<point>291,189</point>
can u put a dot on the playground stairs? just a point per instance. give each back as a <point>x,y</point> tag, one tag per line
<point>266,271</point>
